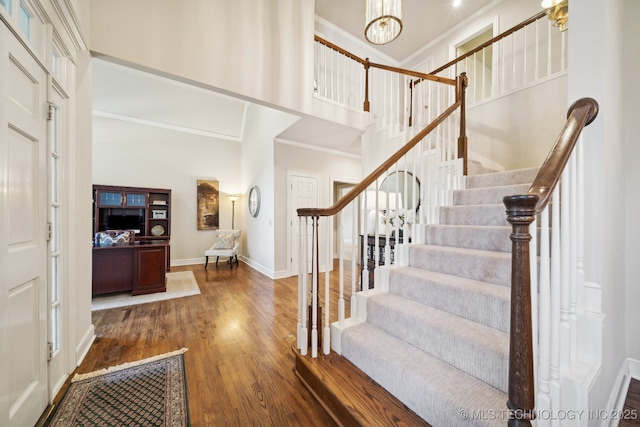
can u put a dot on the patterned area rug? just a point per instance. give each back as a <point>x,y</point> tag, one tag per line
<point>179,284</point>
<point>151,392</point>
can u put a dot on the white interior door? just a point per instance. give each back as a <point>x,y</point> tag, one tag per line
<point>304,194</point>
<point>23,235</point>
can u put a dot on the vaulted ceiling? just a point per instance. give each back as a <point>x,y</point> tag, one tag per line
<point>122,94</point>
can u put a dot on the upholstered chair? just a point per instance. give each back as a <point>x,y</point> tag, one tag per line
<point>226,244</point>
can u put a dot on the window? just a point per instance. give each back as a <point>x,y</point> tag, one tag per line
<point>8,5</point>
<point>24,20</point>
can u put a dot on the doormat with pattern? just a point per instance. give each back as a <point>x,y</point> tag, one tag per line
<point>150,392</point>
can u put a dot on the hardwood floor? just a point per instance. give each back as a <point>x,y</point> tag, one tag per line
<point>631,410</point>
<point>239,332</point>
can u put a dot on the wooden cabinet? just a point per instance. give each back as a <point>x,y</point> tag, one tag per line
<point>138,268</point>
<point>145,210</point>
<point>368,250</point>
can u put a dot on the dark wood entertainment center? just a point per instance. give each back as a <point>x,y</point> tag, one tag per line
<point>138,267</point>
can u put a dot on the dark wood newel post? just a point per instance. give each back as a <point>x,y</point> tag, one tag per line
<point>461,87</point>
<point>521,211</point>
<point>366,84</point>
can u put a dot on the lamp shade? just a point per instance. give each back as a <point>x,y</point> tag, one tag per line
<point>233,197</point>
<point>383,21</point>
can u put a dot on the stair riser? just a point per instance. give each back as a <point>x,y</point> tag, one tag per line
<point>491,215</point>
<point>479,302</point>
<point>485,196</point>
<point>491,267</point>
<point>471,237</point>
<point>523,176</point>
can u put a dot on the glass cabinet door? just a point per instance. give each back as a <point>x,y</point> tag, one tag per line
<point>136,200</point>
<point>109,198</point>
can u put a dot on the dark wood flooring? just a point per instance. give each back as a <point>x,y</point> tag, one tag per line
<point>631,410</point>
<point>239,333</point>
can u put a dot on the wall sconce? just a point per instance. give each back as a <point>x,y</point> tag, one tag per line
<point>233,198</point>
<point>558,12</point>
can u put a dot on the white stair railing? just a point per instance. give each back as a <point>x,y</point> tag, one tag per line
<point>527,54</point>
<point>389,210</point>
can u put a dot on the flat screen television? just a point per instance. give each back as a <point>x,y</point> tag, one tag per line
<point>124,222</point>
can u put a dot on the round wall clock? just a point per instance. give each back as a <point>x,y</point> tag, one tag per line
<point>254,201</point>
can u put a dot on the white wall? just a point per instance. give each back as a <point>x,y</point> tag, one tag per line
<point>325,166</point>
<point>595,70</point>
<point>517,131</point>
<point>631,112</point>
<point>137,155</point>
<point>257,159</point>
<point>259,49</point>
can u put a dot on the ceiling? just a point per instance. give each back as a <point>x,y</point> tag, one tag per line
<point>423,21</point>
<point>125,95</point>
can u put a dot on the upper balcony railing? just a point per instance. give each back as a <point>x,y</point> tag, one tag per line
<point>527,54</point>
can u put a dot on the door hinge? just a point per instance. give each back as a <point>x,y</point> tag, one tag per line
<point>50,350</point>
<point>50,113</point>
<point>49,231</point>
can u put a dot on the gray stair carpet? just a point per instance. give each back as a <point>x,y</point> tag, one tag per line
<point>439,339</point>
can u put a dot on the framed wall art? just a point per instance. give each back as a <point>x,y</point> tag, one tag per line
<point>208,205</point>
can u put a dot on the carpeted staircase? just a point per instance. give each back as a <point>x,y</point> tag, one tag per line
<point>438,340</point>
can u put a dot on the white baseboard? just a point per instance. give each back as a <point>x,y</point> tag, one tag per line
<point>85,344</point>
<point>187,261</point>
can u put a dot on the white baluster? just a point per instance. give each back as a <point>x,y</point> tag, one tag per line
<point>353,308</point>
<point>565,229</point>
<point>303,268</point>
<point>556,278</point>
<point>543,400</point>
<point>326,334</point>
<point>314,288</point>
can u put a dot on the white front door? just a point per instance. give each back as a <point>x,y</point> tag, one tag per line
<point>23,234</point>
<point>303,194</point>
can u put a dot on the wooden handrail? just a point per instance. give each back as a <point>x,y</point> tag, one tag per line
<point>339,49</point>
<point>364,62</point>
<point>580,114</point>
<point>362,186</point>
<point>492,41</point>
<point>521,212</point>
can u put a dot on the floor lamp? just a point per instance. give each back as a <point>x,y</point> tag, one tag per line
<point>233,198</point>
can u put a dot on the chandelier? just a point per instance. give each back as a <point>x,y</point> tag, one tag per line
<point>384,21</point>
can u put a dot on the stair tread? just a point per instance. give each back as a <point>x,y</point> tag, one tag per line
<point>489,266</point>
<point>493,237</point>
<point>482,302</point>
<point>435,390</point>
<point>477,349</point>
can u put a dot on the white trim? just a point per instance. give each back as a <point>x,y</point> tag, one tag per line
<point>85,344</point>
<point>256,266</point>
<point>152,123</point>
<point>316,148</point>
